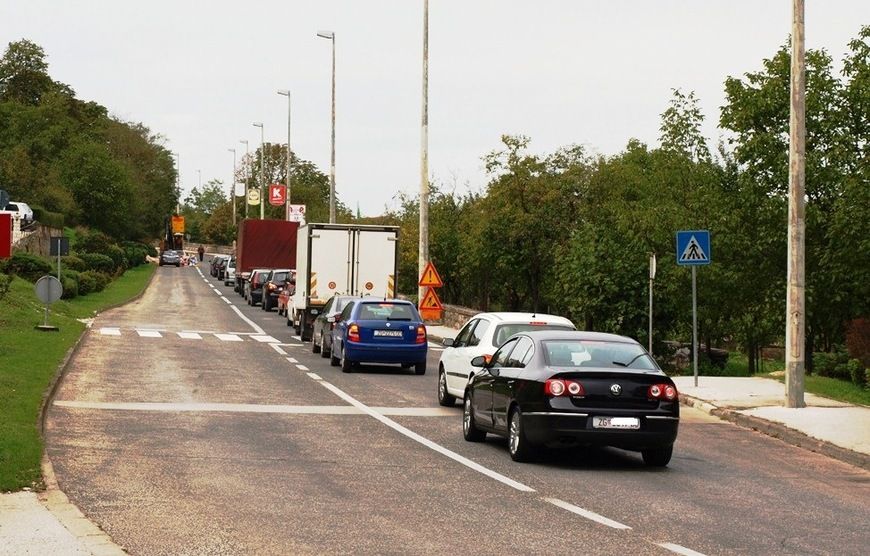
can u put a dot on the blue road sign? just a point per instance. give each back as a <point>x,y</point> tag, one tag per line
<point>693,247</point>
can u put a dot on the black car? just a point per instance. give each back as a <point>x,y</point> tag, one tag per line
<point>321,335</point>
<point>279,279</point>
<point>254,285</point>
<point>170,257</point>
<point>552,388</point>
<point>222,267</point>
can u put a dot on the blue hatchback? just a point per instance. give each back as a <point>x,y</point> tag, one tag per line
<point>379,331</point>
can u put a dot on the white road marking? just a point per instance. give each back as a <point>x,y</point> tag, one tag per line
<point>253,324</point>
<point>679,549</point>
<point>291,360</point>
<point>297,338</point>
<point>264,339</point>
<point>144,333</point>
<point>277,348</point>
<point>425,441</point>
<point>228,302</point>
<point>586,513</point>
<point>302,367</point>
<point>110,331</point>
<point>228,337</point>
<point>288,345</point>
<point>315,376</point>
<point>189,336</point>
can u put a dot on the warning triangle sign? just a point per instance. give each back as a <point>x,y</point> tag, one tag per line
<point>693,252</point>
<point>430,300</point>
<point>430,277</point>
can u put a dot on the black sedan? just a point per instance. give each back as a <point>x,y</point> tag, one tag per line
<point>551,388</point>
<point>170,257</point>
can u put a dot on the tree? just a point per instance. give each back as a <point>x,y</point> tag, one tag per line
<point>24,74</point>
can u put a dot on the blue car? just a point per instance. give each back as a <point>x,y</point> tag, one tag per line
<point>379,331</point>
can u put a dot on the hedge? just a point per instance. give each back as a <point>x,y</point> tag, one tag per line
<point>98,262</point>
<point>27,266</point>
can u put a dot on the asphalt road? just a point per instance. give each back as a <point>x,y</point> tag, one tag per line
<point>190,423</point>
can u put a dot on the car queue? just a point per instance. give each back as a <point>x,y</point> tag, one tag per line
<point>529,377</point>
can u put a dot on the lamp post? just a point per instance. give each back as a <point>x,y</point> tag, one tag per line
<point>233,185</point>
<point>331,36</point>
<point>262,166</point>
<point>247,176</point>
<point>289,152</point>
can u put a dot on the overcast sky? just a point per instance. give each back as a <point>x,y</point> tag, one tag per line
<point>592,72</point>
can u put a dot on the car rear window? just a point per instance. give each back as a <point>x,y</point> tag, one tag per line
<point>280,276</point>
<point>505,331</point>
<point>588,353</point>
<point>386,311</point>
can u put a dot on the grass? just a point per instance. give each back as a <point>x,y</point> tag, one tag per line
<point>835,389</point>
<point>29,360</point>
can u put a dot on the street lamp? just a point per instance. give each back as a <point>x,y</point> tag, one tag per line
<point>233,185</point>
<point>289,152</point>
<point>247,176</point>
<point>331,36</point>
<point>262,167</point>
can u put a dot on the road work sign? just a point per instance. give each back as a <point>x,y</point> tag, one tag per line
<point>693,247</point>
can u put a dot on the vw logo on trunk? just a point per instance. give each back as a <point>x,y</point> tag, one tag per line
<point>615,389</point>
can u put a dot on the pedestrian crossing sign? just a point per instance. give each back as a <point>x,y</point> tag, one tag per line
<point>693,247</point>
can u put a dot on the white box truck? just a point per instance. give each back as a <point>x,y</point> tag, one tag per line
<point>341,259</point>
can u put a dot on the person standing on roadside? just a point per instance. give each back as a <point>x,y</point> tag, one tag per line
<point>201,253</point>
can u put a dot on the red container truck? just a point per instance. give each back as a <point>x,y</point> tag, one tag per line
<point>264,244</point>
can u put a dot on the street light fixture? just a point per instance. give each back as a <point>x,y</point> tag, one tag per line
<point>262,169</point>
<point>289,152</point>
<point>248,175</point>
<point>233,185</point>
<point>331,36</point>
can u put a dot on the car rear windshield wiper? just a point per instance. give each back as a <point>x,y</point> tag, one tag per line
<point>633,359</point>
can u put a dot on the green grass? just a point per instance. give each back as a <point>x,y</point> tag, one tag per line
<point>835,389</point>
<point>30,359</point>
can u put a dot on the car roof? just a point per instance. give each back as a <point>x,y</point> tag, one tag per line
<point>515,317</point>
<point>539,335</point>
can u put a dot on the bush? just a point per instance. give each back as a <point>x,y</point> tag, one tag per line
<point>824,363</point>
<point>134,253</point>
<point>72,262</point>
<point>48,218</point>
<point>98,262</point>
<point>856,372</point>
<point>119,258</point>
<point>96,280</point>
<point>27,266</point>
<point>92,242</point>
<point>151,250</point>
<point>70,287</point>
<point>87,282</point>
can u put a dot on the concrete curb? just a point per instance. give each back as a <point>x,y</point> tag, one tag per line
<point>781,432</point>
<point>55,501</point>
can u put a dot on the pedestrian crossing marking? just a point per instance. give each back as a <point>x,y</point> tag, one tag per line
<point>110,331</point>
<point>265,339</point>
<point>228,337</point>
<point>189,336</point>
<point>144,333</point>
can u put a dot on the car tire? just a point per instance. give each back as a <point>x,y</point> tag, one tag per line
<point>518,445</point>
<point>444,397</point>
<point>420,368</point>
<point>346,364</point>
<point>177,265</point>
<point>469,430</point>
<point>333,360</point>
<point>289,322</point>
<point>324,353</point>
<point>314,347</point>
<point>658,457</point>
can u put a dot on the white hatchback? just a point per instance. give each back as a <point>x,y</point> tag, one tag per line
<point>482,335</point>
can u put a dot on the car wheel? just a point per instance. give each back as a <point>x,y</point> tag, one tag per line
<point>333,359</point>
<point>289,322</point>
<point>518,446</point>
<point>658,457</point>
<point>177,265</point>
<point>314,347</point>
<point>346,364</point>
<point>444,397</point>
<point>469,430</point>
<point>420,368</point>
<point>323,351</point>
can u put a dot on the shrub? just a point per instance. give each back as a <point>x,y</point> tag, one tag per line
<point>92,242</point>
<point>72,262</point>
<point>856,372</point>
<point>151,250</point>
<point>134,253</point>
<point>27,266</point>
<point>87,282</point>
<point>824,363</point>
<point>98,262</point>
<point>119,258</point>
<point>100,279</point>
<point>48,218</point>
<point>70,287</point>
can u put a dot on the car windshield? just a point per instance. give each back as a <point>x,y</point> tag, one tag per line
<point>386,311</point>
<point>588,353</point>
<point>280,277</point>
<point>505,331</point>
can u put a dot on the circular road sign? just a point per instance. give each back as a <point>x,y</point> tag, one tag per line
<point>48,289</point>
<point>253,196</point>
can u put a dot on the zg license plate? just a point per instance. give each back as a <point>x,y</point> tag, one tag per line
<point>615,422</point>
<point>388,333</point>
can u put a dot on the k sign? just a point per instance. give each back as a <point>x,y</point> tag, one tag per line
<point>277,194</point>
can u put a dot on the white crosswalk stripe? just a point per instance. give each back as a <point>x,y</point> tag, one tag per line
<point>144,333</point>
<point>189,336</point>
<point>228,337</point>
<point>110,331</point>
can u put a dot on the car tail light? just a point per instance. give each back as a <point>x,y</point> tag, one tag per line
<point>353,333</point>
<point>662,392</point>
<point>421,334</point>
<point>537,323</point>
<point>558,387</point>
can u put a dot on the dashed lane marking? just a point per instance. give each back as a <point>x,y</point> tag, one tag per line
<point>297,338</point>
<point>315,376</point>
<point>598,518</point>
<point>145,333</point>
<point>277,348</point>
<point>228,338</point>
<point>679,549</point>
<point>302,367</point>
<point>291,360</point>
<point>227,301</point>
<point>189,336</point>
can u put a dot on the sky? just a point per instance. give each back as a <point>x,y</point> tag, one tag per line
<point>588,72</point>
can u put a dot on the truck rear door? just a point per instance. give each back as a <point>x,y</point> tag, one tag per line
<point>375,263</point>
<point>330,270</point>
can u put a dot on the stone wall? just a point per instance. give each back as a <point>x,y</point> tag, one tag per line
<point>38,241</point>
<point>455,316</point>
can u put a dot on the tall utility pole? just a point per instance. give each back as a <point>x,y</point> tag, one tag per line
<point>248,173</point>
<point>233,185</point>
<point>423,255</point>
<point>331,36</point>
<point>289,153</point>
<point>795,332</point>
<point>262,170</point>
<point>652,279</point>
<point>177,182</point>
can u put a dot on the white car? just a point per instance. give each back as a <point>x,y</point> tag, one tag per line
<point>482,335</point>
<point>230,273</point>
<point>23,210</point>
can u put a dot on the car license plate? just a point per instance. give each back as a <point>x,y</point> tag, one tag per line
<point>615,422</point>
<point>388,333</point>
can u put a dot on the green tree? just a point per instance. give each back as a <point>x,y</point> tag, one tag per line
<point>24,74</point>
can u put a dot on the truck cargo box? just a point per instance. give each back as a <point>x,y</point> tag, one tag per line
<point>266,244</point>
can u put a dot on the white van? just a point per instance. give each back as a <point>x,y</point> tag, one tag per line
<point>23,210</point>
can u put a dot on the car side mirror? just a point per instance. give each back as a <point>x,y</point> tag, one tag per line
<point>447,342</point>
<point>481,361</point>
